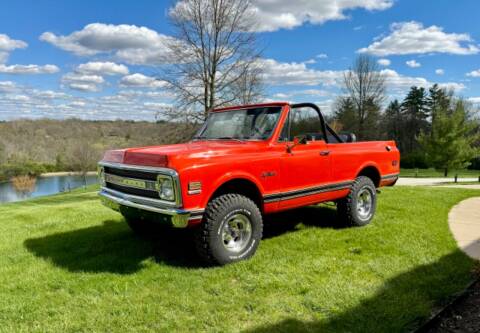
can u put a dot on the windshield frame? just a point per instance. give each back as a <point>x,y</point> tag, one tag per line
<point>198,134</point>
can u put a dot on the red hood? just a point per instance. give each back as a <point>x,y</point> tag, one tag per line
<point>163,156</point>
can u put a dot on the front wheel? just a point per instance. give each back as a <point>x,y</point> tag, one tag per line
<point>231,230</point>
<point>358,207</point>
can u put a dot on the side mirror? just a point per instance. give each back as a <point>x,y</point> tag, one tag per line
<point>297,140</point>
<point>348,137</point>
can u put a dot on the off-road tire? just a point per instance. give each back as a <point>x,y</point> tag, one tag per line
<point>347,207</point>
<point>208,236</point>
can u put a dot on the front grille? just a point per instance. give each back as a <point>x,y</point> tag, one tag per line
<point>142,183</point>
<point>131,173</point>
<point>133,191</point>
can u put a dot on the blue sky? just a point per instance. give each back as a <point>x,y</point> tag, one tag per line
<point>95,59</point>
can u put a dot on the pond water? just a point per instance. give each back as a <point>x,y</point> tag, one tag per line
<point>44,186</point>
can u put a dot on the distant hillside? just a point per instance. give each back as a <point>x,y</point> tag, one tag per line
<point>60,144</point>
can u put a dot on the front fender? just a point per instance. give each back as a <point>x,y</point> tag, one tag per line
<point>228,177</point>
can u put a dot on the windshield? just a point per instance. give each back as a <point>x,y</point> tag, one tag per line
<point>244,124</point>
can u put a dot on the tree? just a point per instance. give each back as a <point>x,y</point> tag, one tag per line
<point>345,114</point>
<point>393,123</point>
<point>450,145</point>
<point>438,99</point>
<point>415,111</point>
<point>83,158</point>
<point>2,154</point>
<point>214,58</point>
<point>365,85</point>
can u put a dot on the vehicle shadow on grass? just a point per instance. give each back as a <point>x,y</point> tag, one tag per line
<point>321,216</point>
<point>113,247</point>
<point>402,304</point>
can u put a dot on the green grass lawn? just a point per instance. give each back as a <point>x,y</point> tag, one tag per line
<point>439,173</point>
<point>67,264</point>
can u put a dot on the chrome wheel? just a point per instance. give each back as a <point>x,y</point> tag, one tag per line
<point>364,203</point>
<point>236,233</point>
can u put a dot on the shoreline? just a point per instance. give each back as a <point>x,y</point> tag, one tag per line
<point>66,173</point>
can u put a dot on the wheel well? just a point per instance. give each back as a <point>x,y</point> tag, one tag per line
<point>372,173</point>
<point>243,187</point>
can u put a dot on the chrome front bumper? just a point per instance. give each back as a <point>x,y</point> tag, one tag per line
<point>178,217</point>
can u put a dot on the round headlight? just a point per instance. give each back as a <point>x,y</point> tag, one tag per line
<point>166,190</point>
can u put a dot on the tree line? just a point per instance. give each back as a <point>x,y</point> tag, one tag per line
<point>432,127</point>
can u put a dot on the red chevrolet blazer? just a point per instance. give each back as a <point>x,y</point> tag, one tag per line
<point>246,162</point>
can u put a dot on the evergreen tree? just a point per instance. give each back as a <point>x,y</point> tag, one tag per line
<point>345,115</point>
<point>393,124</point>
<point>450,145</point>
<point>438,99</point>
<point>372,120</point>
<point>415,110</point>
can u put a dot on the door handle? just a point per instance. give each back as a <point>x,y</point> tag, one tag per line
<point>325,153</point>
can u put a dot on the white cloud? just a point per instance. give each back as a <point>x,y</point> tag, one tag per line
<point>439,71</point>
<point>130,43</point>
<point>282,74</point>
<point>413,63</point>
<point>384,62</point>
<point>140,80</point>
<point>77,104</point>
<point>155,106</point>
<point>102,68</point>
<point>322,56</point>
<point>49,94</point>
<point>310,61</point>
<point>413,38</point>
<point>7,86</point>
<point>455,86</point>
<point>28,69</point>
<point>3,57</point>
<point>7,45</point>
<point>282,96</point>
<point>399,84</point>
<point>17,98</point>
<point>307,92</point>
<point>474,100</point>
<point>474,73</point>
<point>18,101</point>
<point>288,14</point>
<point>83,82</point>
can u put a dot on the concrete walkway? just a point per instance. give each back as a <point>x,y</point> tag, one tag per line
<point>465,187</point>
<point>431,181</point>
<point>464,222</point>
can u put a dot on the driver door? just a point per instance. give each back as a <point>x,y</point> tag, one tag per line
<point>306,165</point>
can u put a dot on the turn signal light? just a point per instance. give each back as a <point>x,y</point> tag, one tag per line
<point>194,187</point>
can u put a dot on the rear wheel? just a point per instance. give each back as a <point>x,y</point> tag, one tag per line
<point>231,230</point>
<point>358,208</point>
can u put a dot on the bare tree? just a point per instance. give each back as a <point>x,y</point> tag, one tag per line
<point>365,85</point>
<point>83,158</point>
<point>213,59</point>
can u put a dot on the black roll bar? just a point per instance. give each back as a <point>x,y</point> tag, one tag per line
<point>322,119</point>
